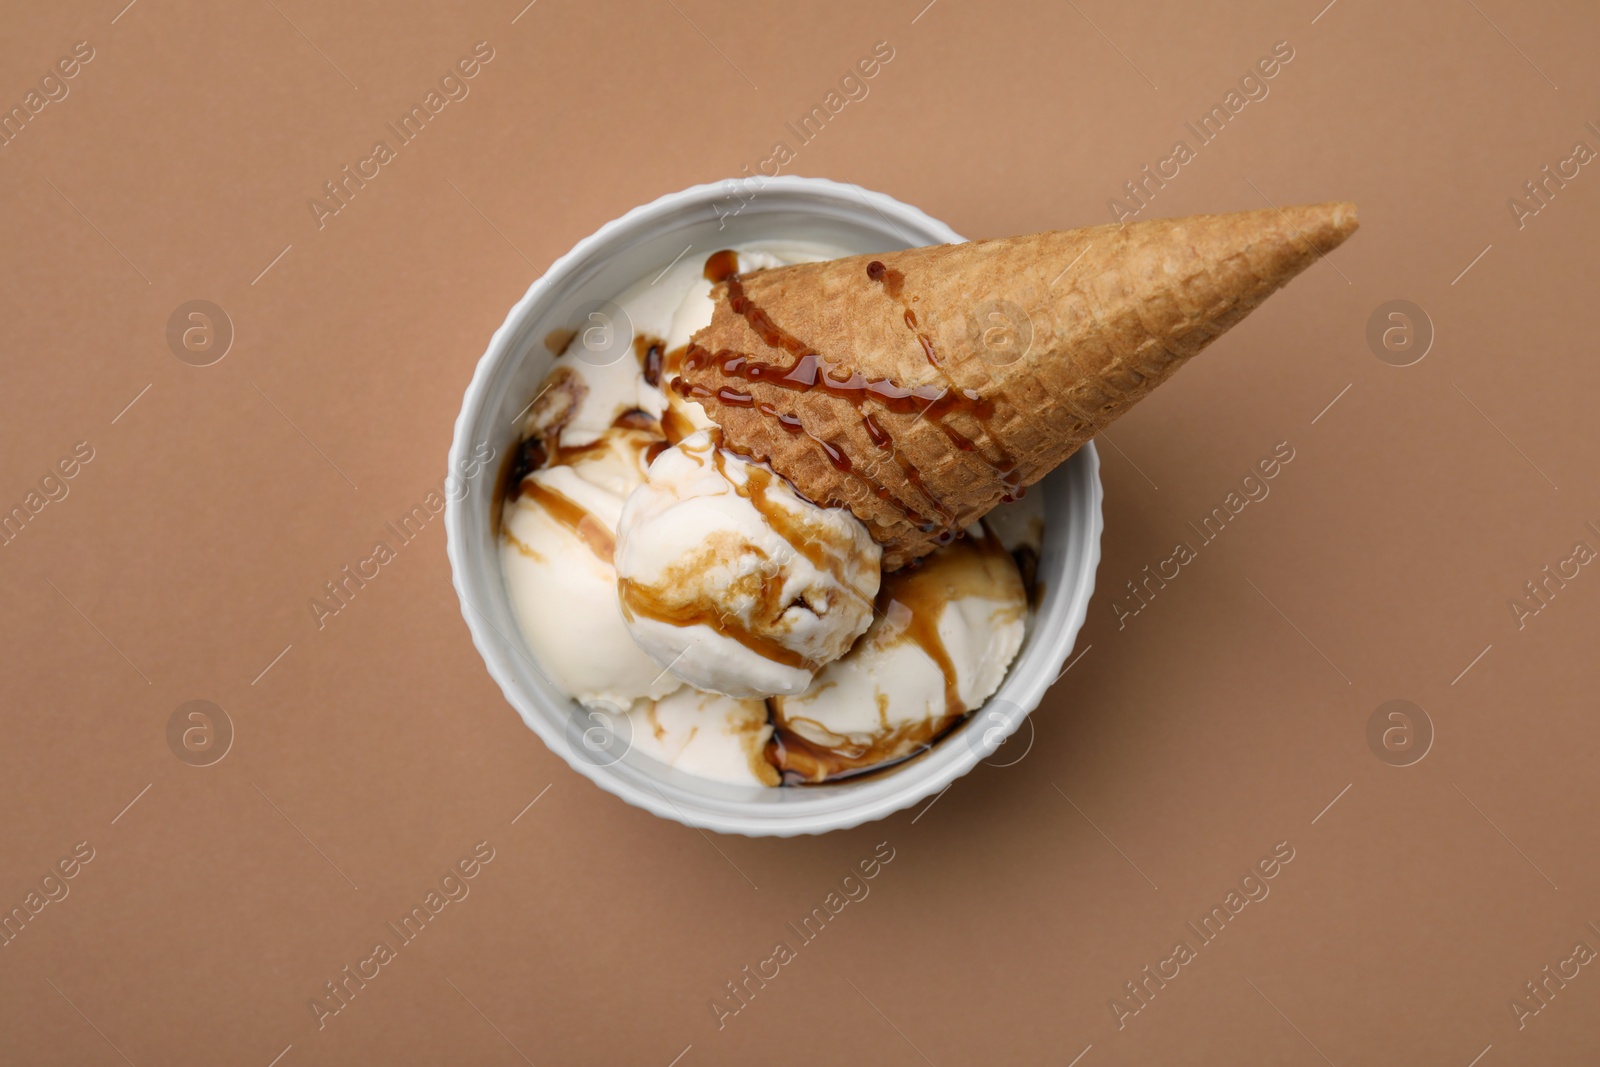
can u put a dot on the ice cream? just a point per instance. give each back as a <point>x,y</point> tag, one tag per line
<point>558,532</point>
<point>949,629</point>
<point>773,503</point>
<point>591,429</point>
<point>732,580</point>
<point>707,735</point>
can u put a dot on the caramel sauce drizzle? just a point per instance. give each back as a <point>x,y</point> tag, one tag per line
<point>805,537</point>
<point>804,762</point>
<point>524,548</point>
<point>575,517</point>
<point>792,424</point>
<point>966,569</point>
<point>879,435</point>
<point>802,536</point>
<point>641,601</point>
<point>521,461</point>
<point>720,266</point>
<point>893,282</point>
<point>651,352</point>
<point>810,370</point>
<point>840,460</point>
<point>675,425</point>
<point>892,279</point>
<point>923,589</point>
<point>561,455</point>
<point>636,419</point>
<point>540,453</point>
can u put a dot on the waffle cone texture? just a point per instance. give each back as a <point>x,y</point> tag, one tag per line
<point>921,388</point>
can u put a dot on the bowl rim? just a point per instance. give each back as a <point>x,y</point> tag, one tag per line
<point>1077,588</point>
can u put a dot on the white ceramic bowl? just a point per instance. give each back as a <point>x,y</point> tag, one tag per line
<point>643,241</point>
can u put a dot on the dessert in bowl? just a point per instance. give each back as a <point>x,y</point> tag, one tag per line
<point>791,525</point>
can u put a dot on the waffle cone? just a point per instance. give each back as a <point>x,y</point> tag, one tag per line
<point>921,388</point>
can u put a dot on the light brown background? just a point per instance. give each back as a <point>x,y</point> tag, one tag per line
<point>1196,738</point>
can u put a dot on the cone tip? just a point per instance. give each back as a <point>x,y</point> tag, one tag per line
<point>1330,222</point>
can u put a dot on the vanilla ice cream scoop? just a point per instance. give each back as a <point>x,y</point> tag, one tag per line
<point>707,735</point>
<point>951,625</point>
<point>558,533</point>
<point>735,583</point>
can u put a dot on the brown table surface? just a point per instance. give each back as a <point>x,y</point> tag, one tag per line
<point>1229,718</point>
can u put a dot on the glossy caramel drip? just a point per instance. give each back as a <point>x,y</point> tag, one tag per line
<point>914,598</point>
<point>636,419</point>
<point>720,266</point>
<point>523,548</point>
<point>675,425</point>
<point>528,456</point>
<point>836,456</point>
<point>841,462</point>
<point>635,429</point>
<point>507,485</point>
<point>652,353</point>
<point>788,422</point>
<point>881,438</point>
<point>970,567</point>
<point>642,602</point>
<point>807,536</point>
<point>893,283</point>
<point>804,762</point>
<point>690,390</point>
<point>892,279</point>
<point>794,526</point>
<point>810,370</point>
<point>588,529</point>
